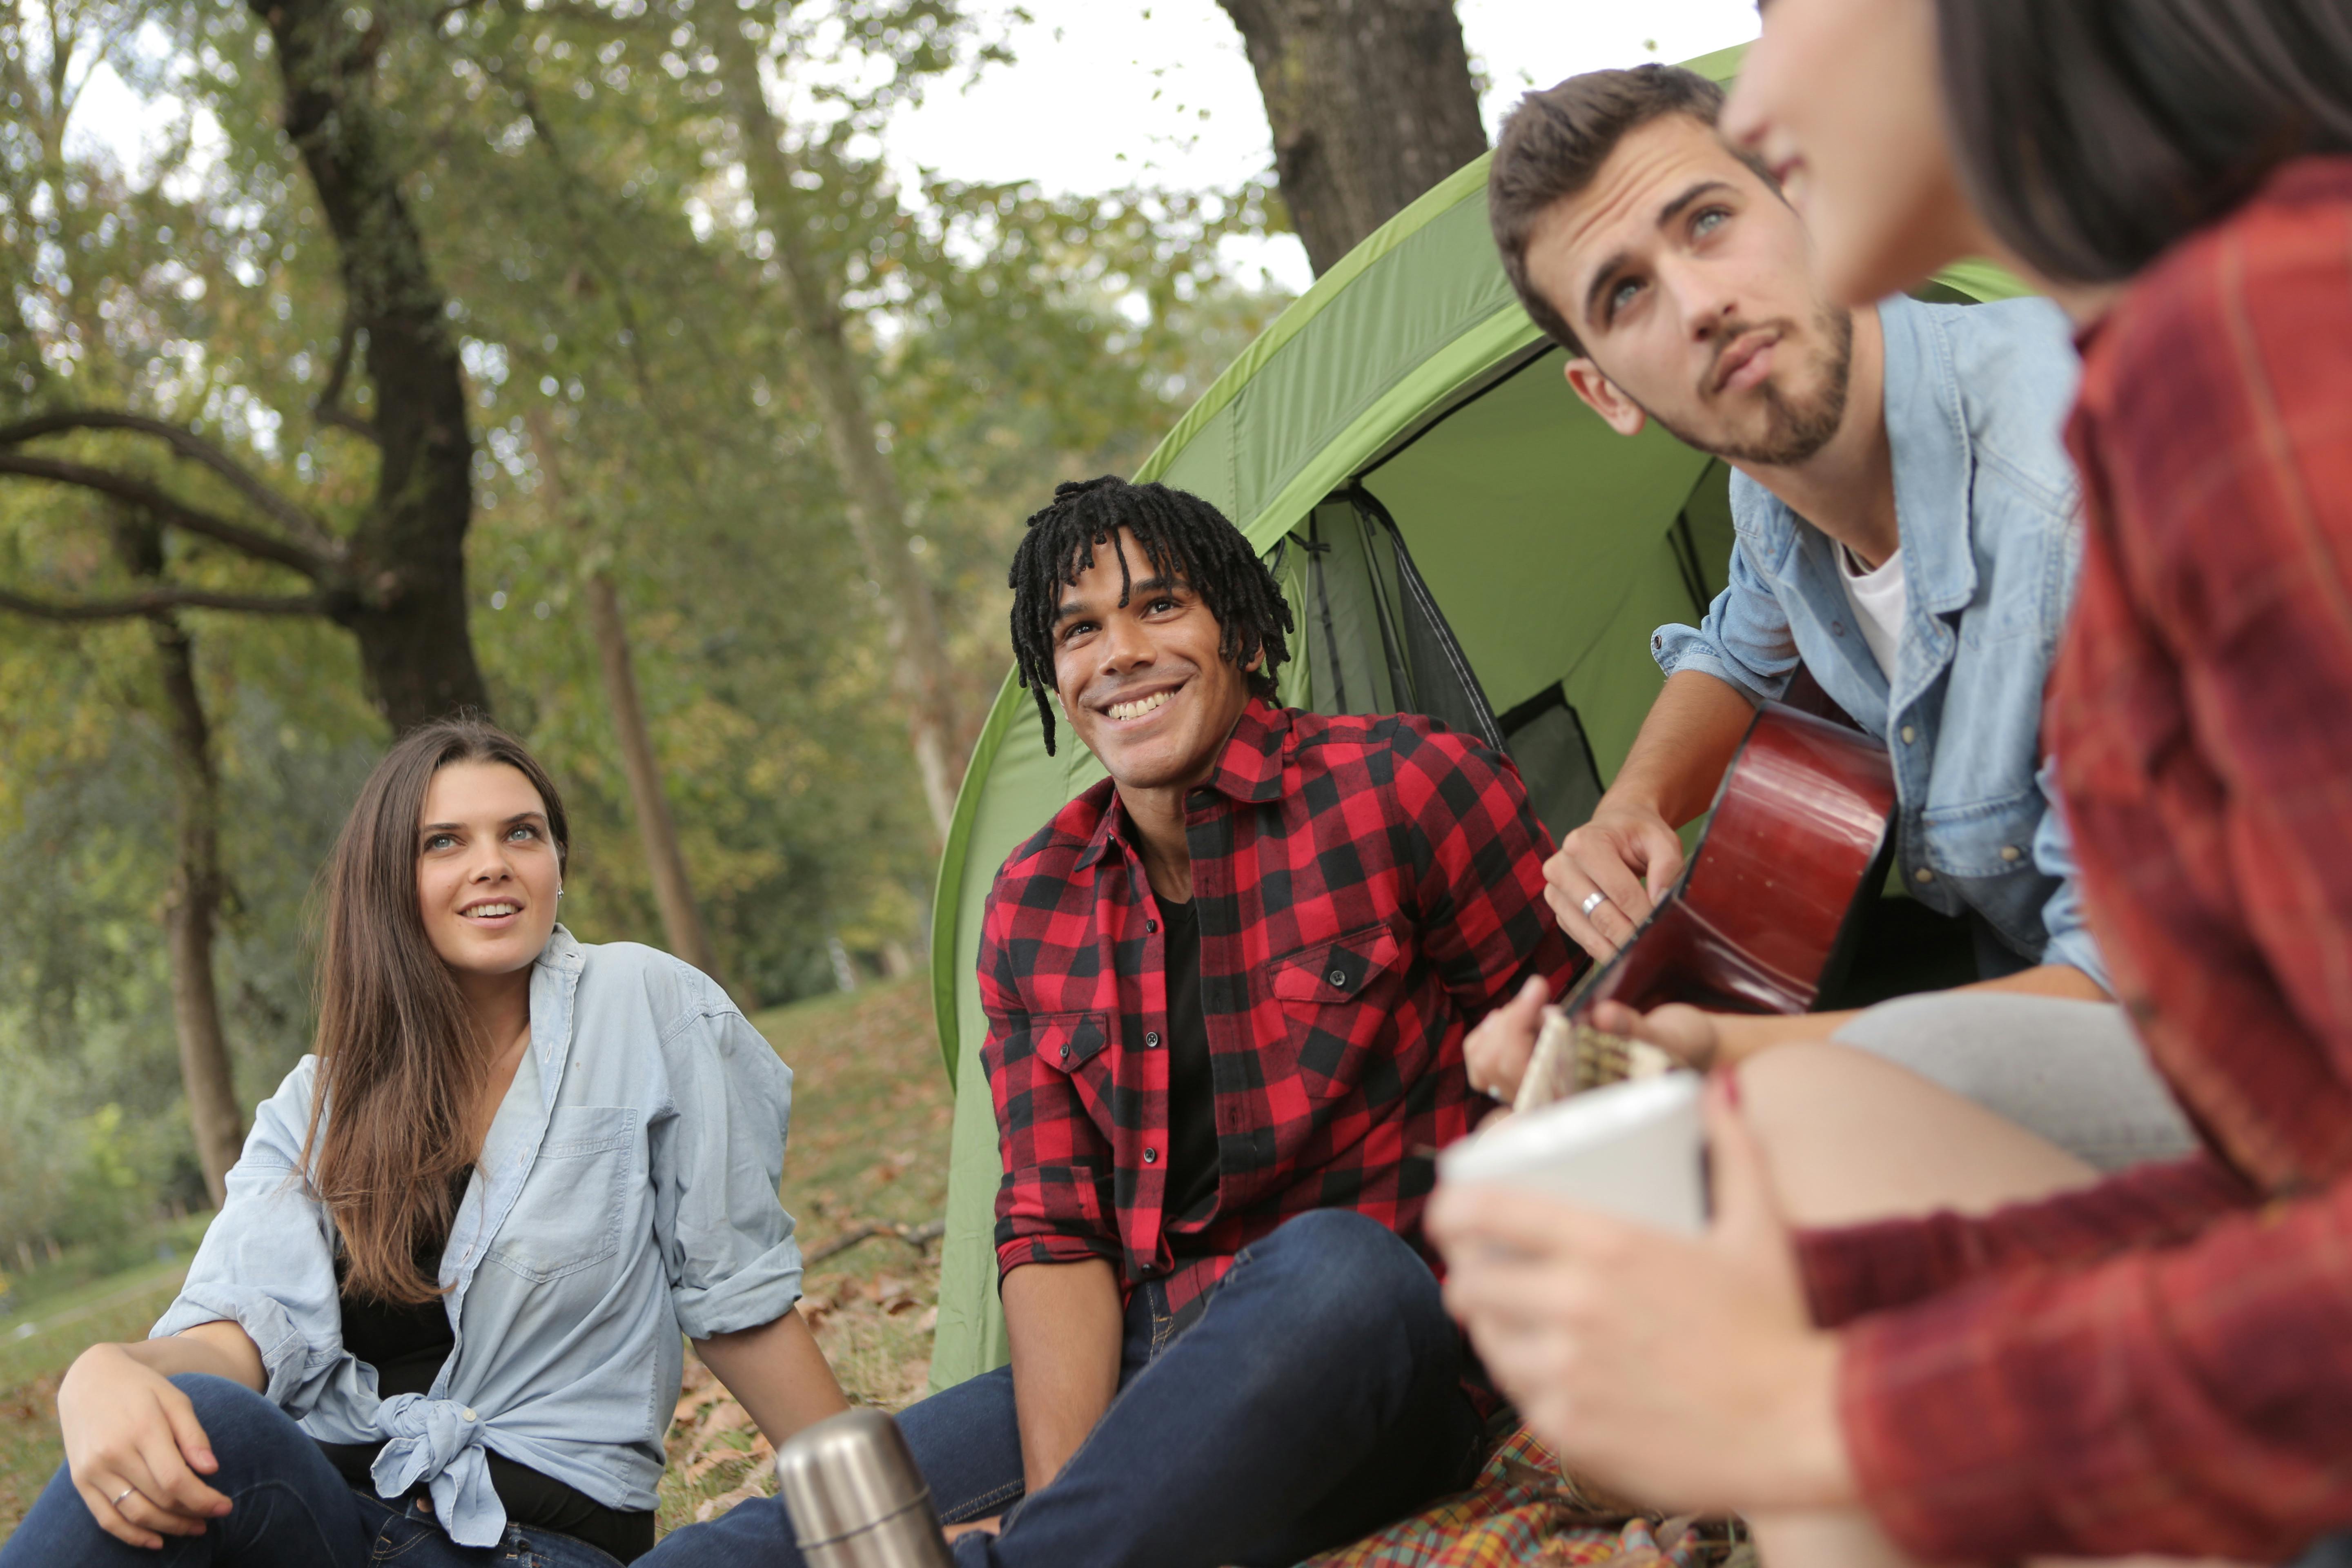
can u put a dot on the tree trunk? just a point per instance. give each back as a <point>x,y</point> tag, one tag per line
<point>836,374</point>
<point>192,904</point>
<point>673,892</point>
<point>407,560</point>
<point>189,912</point>
<point>1370,102</point>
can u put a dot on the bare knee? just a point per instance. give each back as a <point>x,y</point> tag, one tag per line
<point>1852,1137</point>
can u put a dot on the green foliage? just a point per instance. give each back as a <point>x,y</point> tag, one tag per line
<point>65,1281</point>
<point>636,409</point>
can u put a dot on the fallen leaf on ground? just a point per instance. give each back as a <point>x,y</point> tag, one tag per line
<point>712,1507</point>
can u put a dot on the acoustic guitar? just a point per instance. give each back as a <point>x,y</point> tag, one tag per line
<point>1766,913</point>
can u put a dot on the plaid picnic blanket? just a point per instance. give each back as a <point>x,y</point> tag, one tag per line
<point>1521,1510</point>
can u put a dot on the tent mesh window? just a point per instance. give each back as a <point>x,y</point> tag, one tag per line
<point>1376,642</point>
<point>1547,739</point>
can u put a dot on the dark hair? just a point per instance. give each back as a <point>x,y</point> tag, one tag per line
<point>400,1054</point>
<point>1555,141</point>
<point>2092,135</point>
<point>1181,535</point>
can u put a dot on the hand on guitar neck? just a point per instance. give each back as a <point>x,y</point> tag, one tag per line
<point>1497,1051</point>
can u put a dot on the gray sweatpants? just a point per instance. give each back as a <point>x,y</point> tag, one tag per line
<point>2072,1072</point>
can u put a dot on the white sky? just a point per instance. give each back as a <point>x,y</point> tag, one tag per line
<point>1106,93</point>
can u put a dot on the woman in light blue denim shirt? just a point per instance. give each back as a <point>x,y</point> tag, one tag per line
<point>440,1310</point>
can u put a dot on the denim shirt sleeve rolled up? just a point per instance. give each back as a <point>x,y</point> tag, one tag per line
<point>1745,640</point>
<point>267,1262</point>
<point>626,1194</point>
<point>727,1246</point>
<point>1987,513</point>
<point>2062,916</point>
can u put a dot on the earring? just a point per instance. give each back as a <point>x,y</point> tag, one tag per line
<point>559,890</point>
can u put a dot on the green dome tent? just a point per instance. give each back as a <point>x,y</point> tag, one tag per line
<point>1457,534</point>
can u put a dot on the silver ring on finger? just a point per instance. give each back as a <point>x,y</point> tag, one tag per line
<point>1592,902</point>
<point>126,1491</point>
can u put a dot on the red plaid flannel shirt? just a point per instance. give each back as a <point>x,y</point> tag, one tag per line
<point>2164,1363</point>
<point>1366,888</point>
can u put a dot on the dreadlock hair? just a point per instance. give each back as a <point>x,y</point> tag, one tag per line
<point>1181,535</point>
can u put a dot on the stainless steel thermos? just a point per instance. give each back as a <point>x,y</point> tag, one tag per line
<point>855,1498</point>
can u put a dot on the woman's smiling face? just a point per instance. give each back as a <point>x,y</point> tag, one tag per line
<point>487,869</point>
<point>1842,100</point>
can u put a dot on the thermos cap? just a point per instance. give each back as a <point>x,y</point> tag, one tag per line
<point>846,1474</point>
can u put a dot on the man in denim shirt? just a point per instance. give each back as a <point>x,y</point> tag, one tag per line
<point>1906,534</point>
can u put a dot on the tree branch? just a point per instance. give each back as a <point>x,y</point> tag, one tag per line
<point>328,408</point>
<point>597,16</point>
<point>158,601</point>
<point>168,509</point>
<point>186,442</point>
<point>917,1236</point>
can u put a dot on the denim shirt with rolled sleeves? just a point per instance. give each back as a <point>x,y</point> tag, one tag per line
<point>1986,503</point>
<point>629,1198</point>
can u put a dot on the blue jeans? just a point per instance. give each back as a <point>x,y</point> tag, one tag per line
<point>1317,1397</point>
<point>288,1508</point>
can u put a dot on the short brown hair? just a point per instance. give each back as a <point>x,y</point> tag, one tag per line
<point>1556,140</point>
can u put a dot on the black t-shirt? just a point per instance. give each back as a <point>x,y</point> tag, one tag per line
<point>1192,1094</point>
<point>407,1345</point>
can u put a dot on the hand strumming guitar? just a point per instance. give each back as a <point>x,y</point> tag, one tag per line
<point>1609,873</point>
<point>1628,853</point>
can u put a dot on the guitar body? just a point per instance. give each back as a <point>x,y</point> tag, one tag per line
<point>1762,919</point>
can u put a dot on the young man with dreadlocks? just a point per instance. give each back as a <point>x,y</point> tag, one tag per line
<point>1227,990</point>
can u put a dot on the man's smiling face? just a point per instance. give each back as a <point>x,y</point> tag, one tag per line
<point>1143,682</point>
<point>1688,282</point>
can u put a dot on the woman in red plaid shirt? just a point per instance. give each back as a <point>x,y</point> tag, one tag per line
<point>2160,1362</point>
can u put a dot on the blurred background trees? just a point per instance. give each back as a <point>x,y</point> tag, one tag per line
<point>580,360</point>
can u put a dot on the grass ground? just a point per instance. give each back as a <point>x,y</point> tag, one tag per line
<point>868,1148</point>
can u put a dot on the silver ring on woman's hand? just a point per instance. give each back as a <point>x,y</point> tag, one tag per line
<point>125,1493</point>
<point>1592,902</point>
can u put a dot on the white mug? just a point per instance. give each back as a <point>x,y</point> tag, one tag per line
<point>1635,1150</point>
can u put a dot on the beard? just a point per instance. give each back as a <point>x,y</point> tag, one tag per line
<point>1792,431</point>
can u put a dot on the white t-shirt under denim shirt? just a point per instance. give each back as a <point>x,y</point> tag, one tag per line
<point>626,1194</point>
<point>1879,599</point>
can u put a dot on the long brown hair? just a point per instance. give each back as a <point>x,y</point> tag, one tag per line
<point>2094,136</point>
<point>401,1056</point>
